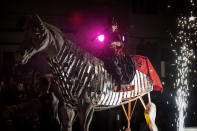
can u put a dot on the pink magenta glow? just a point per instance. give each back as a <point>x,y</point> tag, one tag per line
<point>101,38</point>
<point>123,39</point>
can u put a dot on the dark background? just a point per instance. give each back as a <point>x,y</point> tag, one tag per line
<point>146,25</point>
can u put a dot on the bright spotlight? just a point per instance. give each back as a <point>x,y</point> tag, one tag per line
<point>101,38</point>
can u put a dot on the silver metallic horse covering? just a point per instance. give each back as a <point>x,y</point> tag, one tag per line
<point>75,70</point>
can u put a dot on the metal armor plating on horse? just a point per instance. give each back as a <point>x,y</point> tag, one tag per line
<point>82,82</point>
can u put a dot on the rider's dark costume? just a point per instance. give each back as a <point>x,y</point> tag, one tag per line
<point>120,66</point>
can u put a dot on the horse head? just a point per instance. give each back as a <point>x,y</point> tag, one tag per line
<point>38,37</point>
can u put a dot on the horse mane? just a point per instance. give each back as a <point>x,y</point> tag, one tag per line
<point>53,28</point>
<point>75,49</point>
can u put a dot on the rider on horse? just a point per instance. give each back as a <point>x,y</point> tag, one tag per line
<point>118,64</point>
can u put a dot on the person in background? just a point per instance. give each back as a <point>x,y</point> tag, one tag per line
<point>44,106</point>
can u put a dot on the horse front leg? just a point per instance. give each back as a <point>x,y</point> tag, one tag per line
<point>66,116</point>
<point>85,113</point>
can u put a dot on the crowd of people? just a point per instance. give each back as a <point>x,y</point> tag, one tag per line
<point>25,101</point>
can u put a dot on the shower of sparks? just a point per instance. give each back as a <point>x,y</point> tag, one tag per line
<point>183,44</point>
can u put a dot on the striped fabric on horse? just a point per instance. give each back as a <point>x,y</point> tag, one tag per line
<point>140,85</point>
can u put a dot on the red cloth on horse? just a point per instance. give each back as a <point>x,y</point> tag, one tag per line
<point>144,65</point>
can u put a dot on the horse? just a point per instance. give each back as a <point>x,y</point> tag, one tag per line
<point>82,83</point>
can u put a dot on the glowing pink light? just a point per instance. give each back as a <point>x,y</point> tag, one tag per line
<point>123,39</point>
<point>101,38</point>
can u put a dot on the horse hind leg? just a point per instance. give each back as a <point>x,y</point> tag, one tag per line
<point>66,116</point>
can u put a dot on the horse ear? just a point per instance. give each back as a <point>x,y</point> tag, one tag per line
<point>38,26</point>
<point>37,18</point>
<point>38,21</point>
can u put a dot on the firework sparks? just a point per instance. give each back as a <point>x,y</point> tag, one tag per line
<point>184,52</point>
